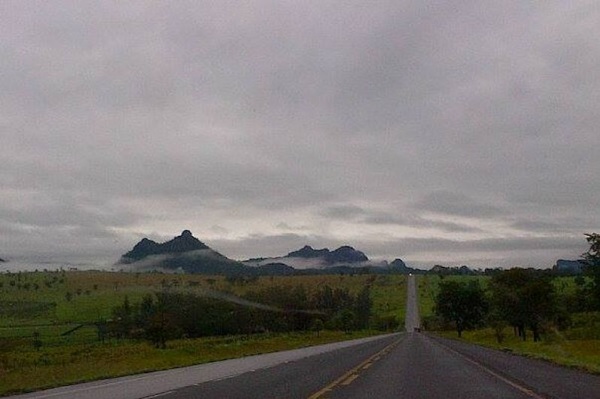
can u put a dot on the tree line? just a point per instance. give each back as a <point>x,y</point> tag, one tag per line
<point>168,315</point>
<point>525,299</point>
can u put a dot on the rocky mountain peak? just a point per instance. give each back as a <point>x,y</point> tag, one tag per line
<point>308,252</point>
<point>186,242</point>
<point>346,254</point>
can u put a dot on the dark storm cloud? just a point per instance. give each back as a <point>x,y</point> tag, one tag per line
<point>467,121</point>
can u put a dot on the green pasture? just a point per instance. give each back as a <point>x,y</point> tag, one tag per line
<point>59,310</point>
<point>86,297</point>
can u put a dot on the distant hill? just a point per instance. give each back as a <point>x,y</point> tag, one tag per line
<point>568,267</point>
<point>186,242</point>
<point>462,270</point>
<point>2,260</point>
<point>308,252</point>
<point>398,264</point>
<point>275,269</point>
<point>183,253</point>
<point>344,254</point>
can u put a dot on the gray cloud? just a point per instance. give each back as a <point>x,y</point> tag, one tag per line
<point>259,245</point>
<point>465,121</point>
<point>457,204</point>
<point>402,218</point>
<point>499,252</point>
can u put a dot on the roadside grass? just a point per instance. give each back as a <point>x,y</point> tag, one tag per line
<point>31,370</point>
<point>582,354</point>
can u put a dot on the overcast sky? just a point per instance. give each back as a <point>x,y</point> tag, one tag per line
<point>461,132</point>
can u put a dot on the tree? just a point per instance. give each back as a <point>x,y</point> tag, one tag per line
<point>592,261</point>
<point>524,298</point>
<point>122,319</point>
<point>161,324</point>
<point>37,340</point>
<point>347,319</point>
<point>317,326</point>
<point>362,307</point>
<point>102,330</point>
<point>461,303</point>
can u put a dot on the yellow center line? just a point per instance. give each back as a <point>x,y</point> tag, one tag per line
<point>349,380</point>
<point>353,373</point>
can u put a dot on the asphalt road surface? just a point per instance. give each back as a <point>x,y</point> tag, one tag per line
<point>412,320</point>
<point>408,365</point>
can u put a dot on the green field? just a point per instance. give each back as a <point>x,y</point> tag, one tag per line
<point>61,309</point>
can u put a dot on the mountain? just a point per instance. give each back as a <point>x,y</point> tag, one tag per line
<point>308,252</point>
<point>2,260</point>
<point>568,266</point>
<point>398,264</point>
<point>183,253</point>
<point>186,242</point>
<point>344,254</point>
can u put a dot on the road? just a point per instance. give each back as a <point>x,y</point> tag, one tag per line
<point>412,320</point>
<point>406,365</point>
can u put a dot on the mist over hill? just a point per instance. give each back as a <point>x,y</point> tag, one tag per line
<point>184,253</point>
<point>309,258</point>
<point>186,242</point>
<point>187,254</point>
<point>344,254</point>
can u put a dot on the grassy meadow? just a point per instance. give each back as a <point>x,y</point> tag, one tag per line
<point>48,335</point>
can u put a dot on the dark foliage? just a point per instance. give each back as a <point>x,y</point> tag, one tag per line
<point>525,298</point>
<point>592,262</point>
<point>170,315</point>
<point>461,303</point>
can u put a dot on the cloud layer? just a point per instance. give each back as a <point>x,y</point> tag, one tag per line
<point>432,131</point>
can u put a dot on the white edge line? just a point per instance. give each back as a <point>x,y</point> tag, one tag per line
<point>513,384</point>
